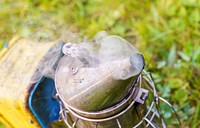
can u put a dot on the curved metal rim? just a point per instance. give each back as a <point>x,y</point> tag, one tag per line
<point>100,120</point>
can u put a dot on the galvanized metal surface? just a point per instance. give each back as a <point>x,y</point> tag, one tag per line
<point>96,82</point>
<point>93,76</point>
<point>128,116</point>
<point>90,89</point>
<point>133,116</point>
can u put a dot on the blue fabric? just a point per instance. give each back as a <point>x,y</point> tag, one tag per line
<point>42,102</point>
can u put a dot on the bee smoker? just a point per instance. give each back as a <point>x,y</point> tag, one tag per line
<point>103,84</point>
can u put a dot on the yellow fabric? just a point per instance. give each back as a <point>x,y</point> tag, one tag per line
<point>17,64</point>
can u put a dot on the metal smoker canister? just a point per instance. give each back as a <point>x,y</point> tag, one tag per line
<point>99,85</point>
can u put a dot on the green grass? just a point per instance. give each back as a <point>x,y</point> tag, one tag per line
<point>167,33</point>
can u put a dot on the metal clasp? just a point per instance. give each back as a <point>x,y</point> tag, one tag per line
<point>142,96</point>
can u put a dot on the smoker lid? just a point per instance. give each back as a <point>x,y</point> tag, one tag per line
<point>94,75</point>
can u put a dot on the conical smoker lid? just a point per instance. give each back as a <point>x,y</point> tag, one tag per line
<point>92,76</point>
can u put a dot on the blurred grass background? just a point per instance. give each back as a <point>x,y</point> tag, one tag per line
<point>167,32</point>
